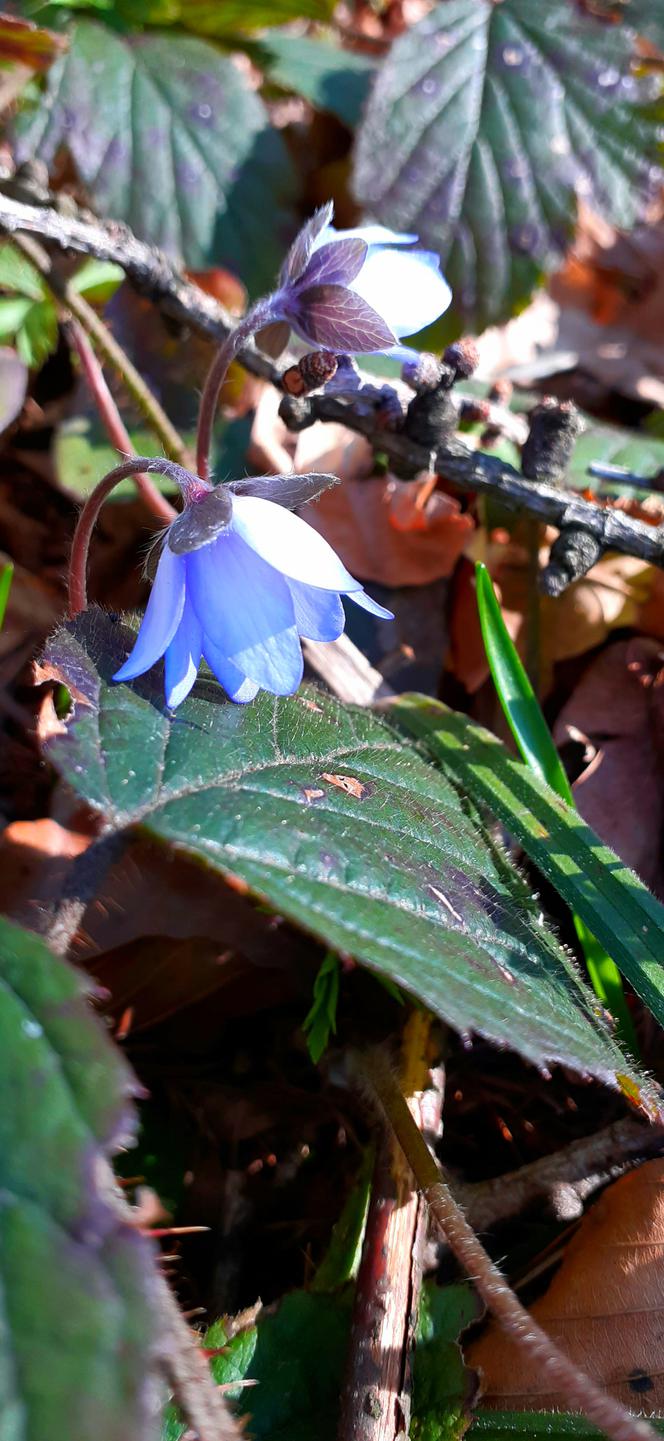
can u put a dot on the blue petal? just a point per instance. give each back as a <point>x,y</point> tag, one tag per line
<point>319,614</point>
<point>289,544</point>
<point>162,616</point>
<point>406,287</point>
<point>183,657</point>
<point>237,686</point>
<point>246,611</point>
<point>367,603</point>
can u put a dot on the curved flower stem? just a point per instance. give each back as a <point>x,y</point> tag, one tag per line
<point>87,520</point>
<point>579,1391</point>
<point>112,420</point>
<point>260,314</point>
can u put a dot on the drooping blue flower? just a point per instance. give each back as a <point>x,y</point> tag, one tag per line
<point>239,580</point>
<point>358,290</point>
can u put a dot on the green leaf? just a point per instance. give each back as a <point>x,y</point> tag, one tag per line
<point>321,1021</point>
<point>29,316</point>
<point>340,825</point>
<point>529,1425</point>
<point>517,697</point>
<point>634,450</point>
<point>231,1366</point>
<point>612,901</point>
<point>523,713</point>
<point>342,1258</point>
<point>167,135</point>
<point>97,280</point>
<point>444,1389</point>
<point>76,1314</point>
<point>329,77</point>
<point>17,274</point>
<point>485,123</point>
<point>6,574</point>
<point>298,1367</point>
<point>83,454</point>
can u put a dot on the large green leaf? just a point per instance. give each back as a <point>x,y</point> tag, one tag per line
<point>531,1425</point>
<point>486,122</point>
<point>331,78</point>
<point>167,135</point>
<point>76,1311</point>
<point>612,901</point>
<point>341,826</point>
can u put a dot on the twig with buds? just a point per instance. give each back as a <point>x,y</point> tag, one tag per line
<point>155,277</point>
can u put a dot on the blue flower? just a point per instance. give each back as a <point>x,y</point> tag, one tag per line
<point>239,580</point>
<point>359,290</point>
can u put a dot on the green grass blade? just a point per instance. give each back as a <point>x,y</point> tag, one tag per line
<point>523,713</point>
<point>610,899</point>
<point>520,704</point>
<point>6,573</point>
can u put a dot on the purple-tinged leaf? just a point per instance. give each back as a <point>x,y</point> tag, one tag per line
<point>335,264</point>
<point>178,145</point>
<point>337,318</point>
<point>485,125</point>
<point>342,827</point>
<point>302,246</point>
<point>79,1332</point>
<point>13,386</point>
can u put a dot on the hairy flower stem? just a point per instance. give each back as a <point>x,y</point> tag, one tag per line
<point>258,316</point>
<point>579,1391</point>
<point>112,420</point>
<point>135,465</point>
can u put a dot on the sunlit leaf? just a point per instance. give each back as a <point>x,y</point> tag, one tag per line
<point>487,122</point>
<point>524,716</point>
<point>531,1425</point>
<point>336,821</point>
<point>167,134</point>
<point>610,898</point>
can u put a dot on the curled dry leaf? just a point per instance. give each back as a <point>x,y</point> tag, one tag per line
<point>617,711</point>
<point>605,1307</point>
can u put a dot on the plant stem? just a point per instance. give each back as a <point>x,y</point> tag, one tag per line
<point>87,520</point>
<point>579,1391</point>
<point>375,1398</point>
<point>112,420</point>
<point>106,343</point>
<point>259,315</point>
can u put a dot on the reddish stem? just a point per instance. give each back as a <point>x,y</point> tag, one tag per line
<point>259,315</point>
<point>112,420</point>
<point>87,520</point>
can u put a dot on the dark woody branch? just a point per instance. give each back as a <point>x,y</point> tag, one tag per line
<point>154,276</point>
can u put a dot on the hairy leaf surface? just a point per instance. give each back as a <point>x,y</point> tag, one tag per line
<point>608,896</point>
<point>167,135</point>
<point>339,823</point>
<point>76,1314</point>
<point>487,122</point>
